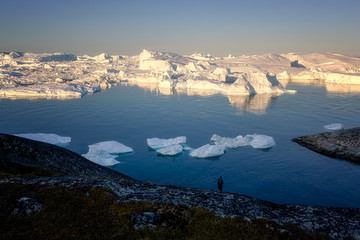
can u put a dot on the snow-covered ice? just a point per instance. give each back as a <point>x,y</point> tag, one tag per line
<point>105,153</point>
<point>110,147</point>
<point>171,150</point>
<point>334,126</point>
<point>101,157</point>
<point>262,141</point>
<point>46,137</point>
<point>208,151</point>
<point>157,143</point>
<point>227,142</point>
<point>64,75</point>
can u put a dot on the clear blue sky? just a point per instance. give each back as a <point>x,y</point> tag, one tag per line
<point>184,26</point>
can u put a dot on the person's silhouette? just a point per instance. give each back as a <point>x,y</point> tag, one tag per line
<point>220,183</point>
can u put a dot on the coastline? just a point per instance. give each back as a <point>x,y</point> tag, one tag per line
<point>70,170</point>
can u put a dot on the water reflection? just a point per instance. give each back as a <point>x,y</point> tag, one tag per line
<point>256,104</point>
<point>329,87</point>
<point>35,97</point>
<point>342,88</point>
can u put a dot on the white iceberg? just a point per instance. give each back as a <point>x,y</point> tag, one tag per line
<point>208,151</point>
<point>227,142</point>
<point>171,150</point>
<point>110,147</point>
<point>262,141</point>
<point>105,153</point>
<point>56,57</point>
<point>157,143</point>
<point>101,157</point>
<point>47,138</point>
<point>334,126</point>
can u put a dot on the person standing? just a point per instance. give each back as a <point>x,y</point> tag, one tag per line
<point>220,183</point>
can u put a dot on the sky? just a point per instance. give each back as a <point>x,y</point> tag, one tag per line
<point>185,26</point>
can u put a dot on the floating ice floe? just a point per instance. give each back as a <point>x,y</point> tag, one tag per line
<point>262,141</point>
<point>47,138</point>
<point>157,143</point>
<point>256,141</point>
<point>110,147</point>
<point>171,150</point>
<point>334,126</point>
<point>101,157</point>
<point>105,153</point>
<point>208,151</point>
<point>227,142</point>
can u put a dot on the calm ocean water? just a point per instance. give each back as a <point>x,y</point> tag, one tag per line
<point>287,173</point>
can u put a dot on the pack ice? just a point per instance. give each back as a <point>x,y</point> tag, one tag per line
<point>105,153</point>
<point>64,75</point>
<point>46,137</point>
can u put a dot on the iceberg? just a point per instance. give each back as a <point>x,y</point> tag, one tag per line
<point>110,147</point>
<point>47,138</point>
<point>57,57</point>
<point>63,75</point>
<point>227,142</point>
<point>60,90</point>
<point>105,153</point>
<point>157,143</point>
<point>171,150</point>
<point>101,157</point>
<point>208,151</point>
<point>334,126</point>
<point>262,141</point>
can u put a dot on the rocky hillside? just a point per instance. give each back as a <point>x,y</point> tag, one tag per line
<point>58,167</point>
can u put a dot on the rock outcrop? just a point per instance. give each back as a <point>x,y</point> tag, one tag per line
<point>343,144</point>
<point>71,170</point>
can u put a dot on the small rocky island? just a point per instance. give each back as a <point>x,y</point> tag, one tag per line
<point>43,166</point>
<point>343,144</point>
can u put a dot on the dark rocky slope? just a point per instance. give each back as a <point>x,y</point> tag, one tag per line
<point>343,144</point>
<point>71,170</point>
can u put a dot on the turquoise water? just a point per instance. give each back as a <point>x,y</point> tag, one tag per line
<point>287,173</point>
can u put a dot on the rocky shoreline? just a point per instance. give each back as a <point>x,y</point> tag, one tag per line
<point>71,171</point>
<point>343,144</point>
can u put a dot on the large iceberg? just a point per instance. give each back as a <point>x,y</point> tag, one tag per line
<point>57,57</point>
<point>46,137</point>
<point>157,143</point>
<point>208,151</point>
<point>105,153</point>
<point>334,126</point>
